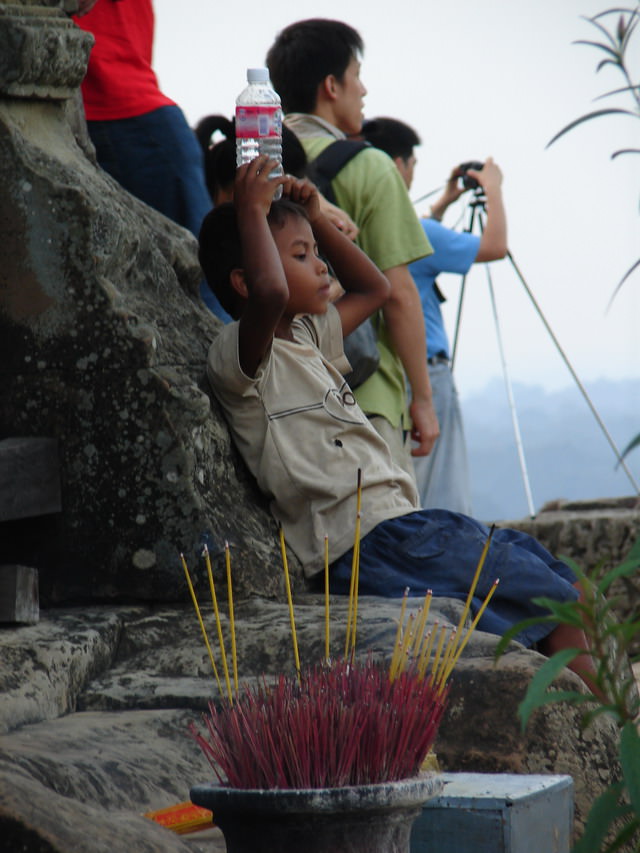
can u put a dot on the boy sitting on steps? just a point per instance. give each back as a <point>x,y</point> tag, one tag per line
<point>277,372</point>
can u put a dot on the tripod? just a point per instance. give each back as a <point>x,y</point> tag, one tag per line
<point>477,215</point>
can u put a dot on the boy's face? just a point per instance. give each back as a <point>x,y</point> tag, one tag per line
<point>307,274</point>
<point>349,104</point>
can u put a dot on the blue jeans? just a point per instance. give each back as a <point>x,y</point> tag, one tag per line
<point>439,550</point>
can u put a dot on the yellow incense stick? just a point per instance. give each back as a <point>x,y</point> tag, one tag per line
<point>476,577</point>
<point>198,614</point>
<point>326,599</point>
<point>356,585</point>
<point>355,560</point>
<point>472,628</point>
<point>285,564</point>
<point>436,658</point>
<point>396,646</point>
<point>214,600</point>
<point>232,623</point>
<point>359,491</point>
<point>407,642</point>
<point>446,657</point>
<point>427,646</point>
<point>424,613</point>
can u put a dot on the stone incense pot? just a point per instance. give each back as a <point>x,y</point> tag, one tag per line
<point>363,819</point>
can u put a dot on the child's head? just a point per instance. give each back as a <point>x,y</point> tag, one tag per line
<point>219,157</point>
<point>304,54</point>
<point>220,248</point>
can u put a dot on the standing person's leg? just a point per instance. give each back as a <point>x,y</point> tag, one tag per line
<point>443,476</point>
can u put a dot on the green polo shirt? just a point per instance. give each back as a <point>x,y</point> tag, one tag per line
<point>370,189</point>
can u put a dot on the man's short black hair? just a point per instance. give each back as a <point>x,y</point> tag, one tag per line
<point>220,247</point>
<point>390,135</point>
<point>304,54</point>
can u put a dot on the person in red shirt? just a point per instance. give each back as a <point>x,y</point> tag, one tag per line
<point>140,135</point>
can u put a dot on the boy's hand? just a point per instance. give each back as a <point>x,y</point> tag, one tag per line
<point>253,186</point>
<point>305,193</point>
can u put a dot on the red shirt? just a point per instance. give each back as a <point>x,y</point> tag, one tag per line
<point>120,82</point>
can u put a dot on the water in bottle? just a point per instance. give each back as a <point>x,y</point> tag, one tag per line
<point>259,122</point>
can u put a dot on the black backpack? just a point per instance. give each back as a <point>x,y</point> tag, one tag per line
<point>360,346</point>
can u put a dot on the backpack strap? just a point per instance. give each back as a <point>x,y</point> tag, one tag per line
<point>332,160</point>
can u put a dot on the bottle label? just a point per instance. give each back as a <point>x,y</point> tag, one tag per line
<point>260,121</point>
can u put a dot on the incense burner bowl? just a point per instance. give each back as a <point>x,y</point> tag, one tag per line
<point>360,819</point>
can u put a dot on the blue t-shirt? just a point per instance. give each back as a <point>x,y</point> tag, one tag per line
<point>453,251</point>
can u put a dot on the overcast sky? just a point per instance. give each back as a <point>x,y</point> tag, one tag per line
<point>495,78</point>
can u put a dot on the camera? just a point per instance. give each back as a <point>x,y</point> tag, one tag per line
<point>468,182</point>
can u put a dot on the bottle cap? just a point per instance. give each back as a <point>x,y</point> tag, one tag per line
<point>257,75</point>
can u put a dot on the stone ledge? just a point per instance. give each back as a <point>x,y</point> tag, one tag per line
<point>43,54</point>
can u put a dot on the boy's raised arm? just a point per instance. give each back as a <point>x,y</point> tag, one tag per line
<point>262,281</point>
<point>366,288</point>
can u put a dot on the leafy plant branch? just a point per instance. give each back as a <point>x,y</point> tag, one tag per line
<point>615,45</point>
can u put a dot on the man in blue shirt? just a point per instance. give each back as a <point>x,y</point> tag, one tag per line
<point>443,476</point>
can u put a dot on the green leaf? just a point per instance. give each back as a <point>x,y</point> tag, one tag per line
<point>634,441</point>
<point>618,286</point>
<point>616,92</point>
<point>598,44</point>
<point>623,838</point>
<point>516,629</point>
<point>567,612</point>
<point>603,812</point>
<point>629,566</point>
<point>537,694</point>
<point>625,151</point>
<point>588,117</point>
<point>630,761</point>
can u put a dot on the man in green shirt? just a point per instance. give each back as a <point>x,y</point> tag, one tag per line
<point>315,68</point>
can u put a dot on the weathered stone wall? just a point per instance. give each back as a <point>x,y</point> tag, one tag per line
<point>597,535</point>
<point>104,340</point>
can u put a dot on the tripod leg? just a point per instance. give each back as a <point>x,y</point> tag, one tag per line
<point>575,377</point>
<point>510,398</point>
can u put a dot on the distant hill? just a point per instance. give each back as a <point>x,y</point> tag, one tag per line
<point>567,454</point>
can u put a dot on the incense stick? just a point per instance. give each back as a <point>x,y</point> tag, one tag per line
<point>285,564</point>
<point>232,624</point>
<point>472,628</point>
<point>214,600</point>
<point>202,628</point>
<point>396,646</point>
<point>356,585</point>
<point>326,599</point>
<point>476,577</point>
<point>436,658</point>
<point>424,613</point>
<point>446,657</point>
<point>425,654</point>
<point>355,562</point>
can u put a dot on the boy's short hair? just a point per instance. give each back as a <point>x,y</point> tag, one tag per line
<point>306,52</point>
<point>220,248</point>
<point>394,137</point>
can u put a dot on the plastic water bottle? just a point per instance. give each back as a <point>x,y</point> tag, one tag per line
<point>259,122</point>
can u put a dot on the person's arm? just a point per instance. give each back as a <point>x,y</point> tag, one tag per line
<point>262,280</point>
<point>365,288</point>
<point>452,192</point>
<point>405,321</point>
<point>339,218</point>
<point>493,244</point>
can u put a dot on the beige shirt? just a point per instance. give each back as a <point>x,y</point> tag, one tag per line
<point>304,437</point>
